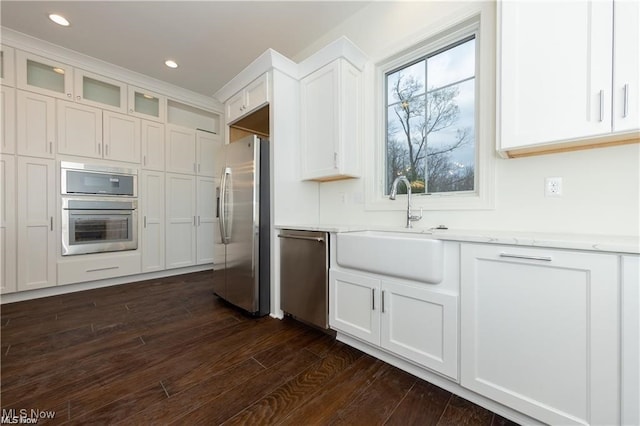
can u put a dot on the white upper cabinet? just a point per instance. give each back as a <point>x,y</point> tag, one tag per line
<point>252,97</point>
<point>146,104</point>
<point>36,124</point>
<point>626,70</point>
<point>331,122</point>
<point>44,75</point>
<point>152,135</point>
<point>7,120</point>
<point>79,130</point>
<point>558,63</point>
<point>7,66</point>
<point>209,149</point>
<point>99,91</point>
<point>181,149</point>
<point>121,137</point>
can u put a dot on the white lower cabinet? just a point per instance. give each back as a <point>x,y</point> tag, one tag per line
<point>540,331</point>
<point>153,209</point>
<point>630,340</point>
<point>407,319</point>
<point>92,267</point>
<point>37,239</point>
<point>206,219</point>
<point>7,120</point>
<point>7,224</point>
<point>180,220</point>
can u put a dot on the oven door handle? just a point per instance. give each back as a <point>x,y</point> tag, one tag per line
<point>99,212</point>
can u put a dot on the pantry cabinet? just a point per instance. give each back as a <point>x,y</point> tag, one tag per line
<point>405,318</point>
<point>152,210</point>
<point>209,148</point>
<point>253,96</point>
<point>181,149</point>
<point>539,331</point>
<point>152,140</point>
<point>564,69</point>
<point>330,120</point>
<point>630,340</point>
<point>37,239</point>
<point>180,220</point>
<point>7,120</point>
<point>8,245</point>
<point>206,219</point>
<point>43,75</point>
<point>36,124</point>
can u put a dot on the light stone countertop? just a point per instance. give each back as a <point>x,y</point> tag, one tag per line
<point>590,242</point>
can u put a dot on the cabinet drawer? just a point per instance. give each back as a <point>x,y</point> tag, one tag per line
<point>98,267</point>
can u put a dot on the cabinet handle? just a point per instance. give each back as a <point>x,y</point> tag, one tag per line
<point>335,160</point>
<point>198,220</point>
<point>373,299</point>
<point>144,219</point>
<point>99,149</point>
<point>601,105</point>
<point>51,222</point>
<point>103,269</point>
<point>194,221</point>
<point>195,168</point>
<point>522,256</point>
<point>106,150</point>
<point>382,303</point>
<point>144,160</point>
<point>50,147</point>
<point>625,109</point>
<point>198,167</point>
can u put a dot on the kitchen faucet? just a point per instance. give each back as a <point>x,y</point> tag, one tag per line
<point>394,192</point>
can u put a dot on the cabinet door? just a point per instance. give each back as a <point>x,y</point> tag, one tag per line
<point>36,131</point>
<point>319,121</point>
<point>121,137</point>
<point>420,325</point>
<point>79,130</point>
<point>7,66</point>
<point>147,105</point>
<point>42,75</point>
<point>555,73</point>
<point>36,235</point>
<point>626,66</point>
<point>152,135</point>
<point>8,120</point>
<point>8,245</point>
<point>181,220</point>
<point>153,209</point>
<point>630,340</point>
<point>209,149</point>
<point>206,219</point>
<point>257,93</point>
<point>99,91</point>
<point>354,305</point>
<point>539,331</point>
<point>235,106</point>
<point>181,149</point>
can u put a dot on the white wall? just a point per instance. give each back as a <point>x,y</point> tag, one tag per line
<point>601,186</point>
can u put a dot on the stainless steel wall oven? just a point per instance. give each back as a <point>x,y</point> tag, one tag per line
<point>99,209</point>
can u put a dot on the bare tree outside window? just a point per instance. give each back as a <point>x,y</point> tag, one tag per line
<point>430,133</point>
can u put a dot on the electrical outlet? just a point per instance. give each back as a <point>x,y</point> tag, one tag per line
<point>553,187</point>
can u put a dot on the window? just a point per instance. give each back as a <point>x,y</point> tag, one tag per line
<point>430,120</point>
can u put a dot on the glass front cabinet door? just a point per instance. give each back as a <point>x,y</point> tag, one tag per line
<point>146,104</point>
<point>99,91</point>
<point>42,75</point>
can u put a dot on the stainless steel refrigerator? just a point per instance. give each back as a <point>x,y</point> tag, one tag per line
<point>243,210</point>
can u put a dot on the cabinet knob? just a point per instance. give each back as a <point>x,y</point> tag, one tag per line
<point>68,95</point>
<point>78,98</point>
<point>131,111</point>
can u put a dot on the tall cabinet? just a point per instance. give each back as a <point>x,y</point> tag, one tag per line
<point>8,244</point>
<point>36,225</point>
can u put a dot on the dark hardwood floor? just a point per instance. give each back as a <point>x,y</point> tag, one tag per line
<point>168,351</point>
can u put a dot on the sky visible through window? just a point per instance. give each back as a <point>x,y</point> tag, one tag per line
<point>430,134</point>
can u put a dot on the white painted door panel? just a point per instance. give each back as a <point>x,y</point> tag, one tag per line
<point>36,124</point>
<point>153,210</point>
<point>626,66</point>
<point>152,135</point>
<point>8,245</point>
<point>121,137</point>
<point>79,130</point>
<point>541,335</point>
<point>8,120</point>
<point>181,220</point>
<point>181,149</point>
<point>354,305</point>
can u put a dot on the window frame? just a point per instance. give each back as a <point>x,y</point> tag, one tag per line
<point>482,197</point>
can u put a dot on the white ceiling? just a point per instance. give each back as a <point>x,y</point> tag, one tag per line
<point>211,40</point>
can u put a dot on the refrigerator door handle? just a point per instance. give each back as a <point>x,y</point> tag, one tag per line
<point>222,222</point>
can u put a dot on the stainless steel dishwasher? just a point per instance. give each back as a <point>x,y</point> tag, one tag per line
<point>304,277</point>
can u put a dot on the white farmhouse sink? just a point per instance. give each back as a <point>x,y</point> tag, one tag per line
<point>415,257</point>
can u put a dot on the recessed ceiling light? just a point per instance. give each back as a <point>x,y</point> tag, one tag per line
<point>58,19</point>
<point>171,64</point>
